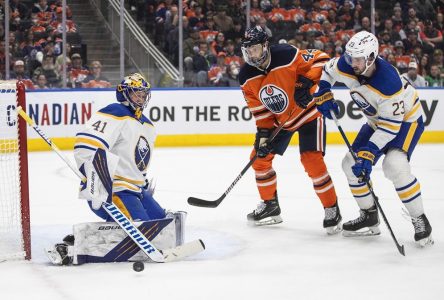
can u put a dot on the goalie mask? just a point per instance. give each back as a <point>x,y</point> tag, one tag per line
<point>135,91</point>
<point>255,48</point>
<point>361,51</point>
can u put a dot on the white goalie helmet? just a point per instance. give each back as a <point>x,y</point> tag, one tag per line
<point>363,44</point>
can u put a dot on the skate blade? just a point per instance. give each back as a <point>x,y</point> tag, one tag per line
<point>428,241</point>
<point>334,229</point>
<point>366,231</point>
<point>267,221</point>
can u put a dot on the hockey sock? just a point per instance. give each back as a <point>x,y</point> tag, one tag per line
<point>314,165</point>
<point>410,195</point>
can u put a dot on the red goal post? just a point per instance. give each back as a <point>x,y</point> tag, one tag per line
<point>15,232</point>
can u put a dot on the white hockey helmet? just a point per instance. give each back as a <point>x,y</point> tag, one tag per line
<point>363,44</point>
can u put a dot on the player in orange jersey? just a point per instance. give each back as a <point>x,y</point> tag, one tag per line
<point>278,83</point>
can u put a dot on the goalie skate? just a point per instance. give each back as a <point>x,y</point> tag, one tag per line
<point>266,213</point>
<point>332,219</point>
<point>365,225</point>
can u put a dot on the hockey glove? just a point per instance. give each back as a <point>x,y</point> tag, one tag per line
<point>363,165</point>
<point>261,144</point>
<point>324,100</point>
<point>302,95</point>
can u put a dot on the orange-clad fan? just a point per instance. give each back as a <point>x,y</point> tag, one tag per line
<point>277,83</point>
<point>95,79</point>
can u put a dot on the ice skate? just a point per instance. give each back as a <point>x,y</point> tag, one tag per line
<point>423,231</point>
<point>365,225</point>
<point>266,213</point>
<point>332,219</point>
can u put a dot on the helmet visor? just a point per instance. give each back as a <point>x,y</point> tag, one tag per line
<point>353,61</point>
<point>255,55</point>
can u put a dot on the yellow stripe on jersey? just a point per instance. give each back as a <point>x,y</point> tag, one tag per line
<point>359,191</point>
<point>409,137</point>
<point>90,142</point>
<point>346,74</point>
<point>125,185</point>
<point>133,181</point>
<point>413,111</point>
<point>389,126</point>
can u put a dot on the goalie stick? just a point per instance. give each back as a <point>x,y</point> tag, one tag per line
<point>400,247</point>
<point>215,203</point>
<point>116,214</point>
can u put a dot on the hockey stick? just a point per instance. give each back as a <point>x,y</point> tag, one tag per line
<point>212,204</point>
<point>131,230</point>
<point>369,186</point>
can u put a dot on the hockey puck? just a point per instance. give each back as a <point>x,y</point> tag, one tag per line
<point>138,266</point>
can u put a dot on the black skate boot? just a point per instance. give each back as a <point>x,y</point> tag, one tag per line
<point>366,224</point>
<point>332,219</point>
<point>423,231</point>
<point>267,213</point>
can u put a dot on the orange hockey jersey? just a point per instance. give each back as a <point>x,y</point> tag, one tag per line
<point>270,93</point>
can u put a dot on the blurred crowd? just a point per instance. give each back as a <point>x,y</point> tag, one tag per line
<point>409,32</point>
<point>35,47</point>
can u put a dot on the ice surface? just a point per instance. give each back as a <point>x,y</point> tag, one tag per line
<point>292,260</point>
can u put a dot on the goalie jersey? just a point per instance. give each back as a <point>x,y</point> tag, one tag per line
<point>386,99</point>
<point>114,128</point>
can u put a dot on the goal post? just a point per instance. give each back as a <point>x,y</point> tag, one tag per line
<point>15,231</point>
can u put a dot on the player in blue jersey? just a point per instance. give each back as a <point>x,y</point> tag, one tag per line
<point>394,126</point>
<point>127,137</point>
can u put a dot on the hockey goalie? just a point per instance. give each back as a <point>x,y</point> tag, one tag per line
<point>118,141</point>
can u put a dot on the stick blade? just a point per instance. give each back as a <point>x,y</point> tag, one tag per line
<point>203,203</point>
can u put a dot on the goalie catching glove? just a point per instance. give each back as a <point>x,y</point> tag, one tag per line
<point>93,188</point>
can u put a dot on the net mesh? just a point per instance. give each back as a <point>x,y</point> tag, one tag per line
<point>11,238</point>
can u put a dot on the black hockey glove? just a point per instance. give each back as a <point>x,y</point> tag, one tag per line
<point>302,95</point>
<point>261,144</point>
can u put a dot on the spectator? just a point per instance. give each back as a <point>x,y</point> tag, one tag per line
<point>425,9</point>
<point>201,63</point>
<point>438,60</point>
<point>19,73</point>
<point>77,72</point>
<point>41,82</point>
<point>218,45</point>
<point>412,41</point>
<point>388,27</point>
<point>424,65</point>
<point>391,59</point>
<point>217,72</point>
<point>237,33</point>
<point>231,54</point>
<point>198,19</point>
<point>18,14</point>
<point>413,77</point>
<point>439,22</point>
<point>232,76</point>
<point>210,31</point>
<point>49,70</point>
<point>431,37</point>
<point>263,23</point>
<point>95,79</point>
<point>191,44</point>
<point>40,7</point>
<point>223,22</point>
<point>365,25</point>
<point>402,60</point>
<point>434,79</point>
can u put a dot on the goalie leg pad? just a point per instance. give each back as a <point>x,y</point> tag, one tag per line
<point>107,242</point>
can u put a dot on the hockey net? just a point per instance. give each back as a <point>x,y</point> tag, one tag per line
<point>14,195</point>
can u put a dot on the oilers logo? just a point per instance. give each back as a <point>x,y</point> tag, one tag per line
<point>273,98</point>
<point>363,104</point>
<point>142,154</point>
